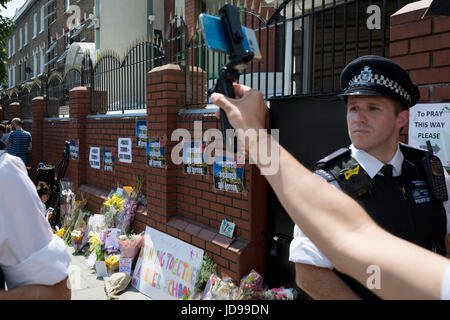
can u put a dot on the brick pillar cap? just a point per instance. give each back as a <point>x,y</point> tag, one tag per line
<point>79,89</point>
<point>418,5</point>
<point>166,67</point>
<point>40,98</point>
<point>15,104</point>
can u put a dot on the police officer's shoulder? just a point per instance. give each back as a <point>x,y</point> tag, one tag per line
<point>342,153</point>
<point>411,152</point>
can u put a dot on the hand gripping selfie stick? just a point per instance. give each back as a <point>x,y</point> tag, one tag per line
<point>229,73</point>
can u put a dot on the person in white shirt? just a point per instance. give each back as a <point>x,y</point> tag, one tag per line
<point>339,227</point>
<point>386,178</point>
<point>33,261</point>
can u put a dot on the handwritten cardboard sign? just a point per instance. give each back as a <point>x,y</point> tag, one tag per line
<point>167,267</point>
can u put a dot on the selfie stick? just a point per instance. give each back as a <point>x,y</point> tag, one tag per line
<point>239,58</point>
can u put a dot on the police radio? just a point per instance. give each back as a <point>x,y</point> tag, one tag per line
<point>434,173</point>
<point>226,34</point>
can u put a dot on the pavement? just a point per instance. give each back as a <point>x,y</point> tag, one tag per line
<point>86,286</point>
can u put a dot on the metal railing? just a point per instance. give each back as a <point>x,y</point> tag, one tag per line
<point>304,44</point>
<point>120,86</point>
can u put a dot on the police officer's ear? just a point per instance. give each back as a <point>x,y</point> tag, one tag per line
<point>403,118</point>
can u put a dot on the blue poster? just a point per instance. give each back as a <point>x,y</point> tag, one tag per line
<point>74,147</point>
<point>156,156</point>
<point>193,158</point>
<point>228,175</point>
<point>108,160</point>
<point>141,133</point>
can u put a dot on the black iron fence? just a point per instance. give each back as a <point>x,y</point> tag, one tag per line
<point>120,86</point>
<point>304,46</point>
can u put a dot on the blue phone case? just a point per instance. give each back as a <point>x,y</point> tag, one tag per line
<point>216,39</point>
<point>214,33</point>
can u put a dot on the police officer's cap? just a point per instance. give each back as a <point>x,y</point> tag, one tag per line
<point>378,76</point>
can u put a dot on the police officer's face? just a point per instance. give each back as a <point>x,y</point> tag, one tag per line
<point>373,124</point>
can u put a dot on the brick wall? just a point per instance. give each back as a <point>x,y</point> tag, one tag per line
<point>422,46</point>
<point>185,206</point>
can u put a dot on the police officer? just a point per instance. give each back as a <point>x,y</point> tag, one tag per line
<point>388,179</point>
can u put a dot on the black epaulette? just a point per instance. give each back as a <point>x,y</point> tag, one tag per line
<point>412,153</point>
<point>325,175</point>
<point>335,155</point>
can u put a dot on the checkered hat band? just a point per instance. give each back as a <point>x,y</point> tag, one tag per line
<point>381,80</point>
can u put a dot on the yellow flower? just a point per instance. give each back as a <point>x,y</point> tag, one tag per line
<point>128,190</point>
<point>112,260</point>
<point>60,233</point>
<point>94,240</point>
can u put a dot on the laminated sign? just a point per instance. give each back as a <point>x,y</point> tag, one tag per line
<point>124,147</point>
<point>167,267</point>
<point>141,134</point>
<point>193,158</point>
<point>156,156</point>
<point>430,122</point>
<point>74,147</point>
<point>228,175</point>
<point>108,160</point>
<point>94,157</point>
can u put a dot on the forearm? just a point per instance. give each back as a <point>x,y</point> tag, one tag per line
<point>59,291</point>
<point>322,284</point>
<point>350,239</point>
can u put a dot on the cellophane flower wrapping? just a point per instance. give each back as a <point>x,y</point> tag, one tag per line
<point>129,245</point>
<point>281,293</point>
<point>218,289</point>
<point>113,206</point>
<point>251,287</point>
<point>126,216</point>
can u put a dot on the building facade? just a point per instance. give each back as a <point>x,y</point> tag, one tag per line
<point>44,29</point>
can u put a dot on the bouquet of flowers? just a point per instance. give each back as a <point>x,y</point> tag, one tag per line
<point>251,287</point>
<point>77,237</point>
<point>112,207</point>
<point>96,246</point>
<point>129,245</point>
<point>112,263</point>
<point>72,219</point>
<point>280,294</point>
<point>125,217</point>
<point>218,289</point>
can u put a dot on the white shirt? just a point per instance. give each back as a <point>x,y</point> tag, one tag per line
<point>303,250</point>
<point>29,252</point>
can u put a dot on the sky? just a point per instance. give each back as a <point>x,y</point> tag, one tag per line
<point>11,8</point>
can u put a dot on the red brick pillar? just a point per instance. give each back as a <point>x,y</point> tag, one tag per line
<point>165,97</point>
<point>1,114</point>
<point>422,47</point>
<point>39,112</point>
<point>15,110</point>
<point>80,106</point>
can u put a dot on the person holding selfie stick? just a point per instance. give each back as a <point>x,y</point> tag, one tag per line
<point>335,222</point>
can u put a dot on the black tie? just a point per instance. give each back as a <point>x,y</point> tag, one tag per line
<point>387,170</point>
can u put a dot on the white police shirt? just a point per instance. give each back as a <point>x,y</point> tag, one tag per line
<point>303,250</point>
<point>29,252</point>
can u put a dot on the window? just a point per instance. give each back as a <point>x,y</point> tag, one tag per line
<point>26,33</point>
<point>13,76</point>
<point>42,61</point>
<point>67,5</point>
<point>42,19</point>
<point>35,25</point>
<point>20,38</point>
<point>9,78</point>
<point>9,48</point>
<point>34,64</point>
<point>14,44</point>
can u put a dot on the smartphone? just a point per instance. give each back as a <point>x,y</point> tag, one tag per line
<point>216,39</point>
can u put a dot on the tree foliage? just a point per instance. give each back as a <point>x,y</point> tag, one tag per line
<point>6,27</point>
